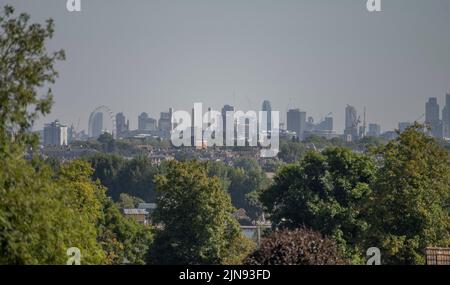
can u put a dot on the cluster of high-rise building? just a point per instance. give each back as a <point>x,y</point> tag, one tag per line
<point>297,125</point>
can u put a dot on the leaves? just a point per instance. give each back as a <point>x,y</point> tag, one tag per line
<point>298,247</point>
<point>195,214</point>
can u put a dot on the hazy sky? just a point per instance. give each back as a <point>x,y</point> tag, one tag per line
<point>317,55</point>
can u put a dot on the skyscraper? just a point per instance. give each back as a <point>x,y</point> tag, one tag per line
<point>351,123</point>
<point>97,125</point>
<point>122,126</point>
<point>296,121</point>
<point>165,124</point>
<point>326,125</point>
<point>432,117</point>
<point>225,109</point>
<point>374,130</point>
<point>55,134</point>
<point>446,117</point>
<point>146,124</point>
<point>267,107</point>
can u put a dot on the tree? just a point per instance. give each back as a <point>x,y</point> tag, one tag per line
<point>106,168</point>
<point>25,67</point>
<point>43,213</point>
<point>298,247</point>
<point>326,192</point>
<point>409,207</point>
<point>135,178</point>
<point>123,240</point>
<point>247,181</point>
<point>107,142</point>
<point>196,218</point>
<point>127,201</point>
<point>291,151</point>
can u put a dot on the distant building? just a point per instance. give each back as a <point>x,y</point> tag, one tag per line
<point>446,117</point>
<point>140,215</point>
<point>326,125</point>
<point>165,124</point>
<point>432,117</point>
<point>122,125</point>
<point>225,109</point>
<point>389,135</point>
<point>296,121</point>
<point>402,126</point>
<point>374,130</point>
<point>165,121</point>
<point>55,134</point>
<point>146,124</point>
<point>71,134</point>
<point>97,125</point>
<point>267,107</point>
<point>351,123</point>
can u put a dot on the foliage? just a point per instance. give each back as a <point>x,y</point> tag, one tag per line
<point>42,215</point>
<point>123,239</point>
<point>410,201</point>
<point>291,151</point>
<point>298,247</point>
<point>132,177</point>
<point>244,181</point>
<point>25,67</point>
<point>127,201</point>
<point>326,192</point>
<point>195,214</point>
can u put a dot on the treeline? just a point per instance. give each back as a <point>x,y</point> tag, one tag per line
<point>135,177</point>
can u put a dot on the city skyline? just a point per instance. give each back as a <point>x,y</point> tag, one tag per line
<point>296,121</point>
<point>318,56</point>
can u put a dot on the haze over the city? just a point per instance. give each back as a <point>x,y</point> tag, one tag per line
<point>316,55</point>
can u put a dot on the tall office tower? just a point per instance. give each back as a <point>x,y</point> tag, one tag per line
<point>432,117</point>
<point>165,124</point>
<point>165,121</point>
<point>142,120</point>
<point>351,123</point>
<point>266,107</point>
<point>374,130</point>
<point>326,125</point>
<point>71,134</point>
<point>146,124</point>
<point>402,126</point>
<point>446,117</point>
<point>122,125</point>
<point>225,109</point>
<point>296,121</point>
<point>97,125</point>
<point>55,134</point>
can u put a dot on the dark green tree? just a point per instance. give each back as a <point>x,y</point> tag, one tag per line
<point>409,208</point>
<point>195,214</point>
<point>326,192</point>
<point>25,68</point>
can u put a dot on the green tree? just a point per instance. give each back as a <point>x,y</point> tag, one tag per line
<point>127,201</point>
<point>326,192</point>
<point>123,240</point>
<point>135,178</point>
<point>409,207</point>
<point>43,213</point>
<point>25,67</point>
<point>195,214</point>
<point>291,151</point>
